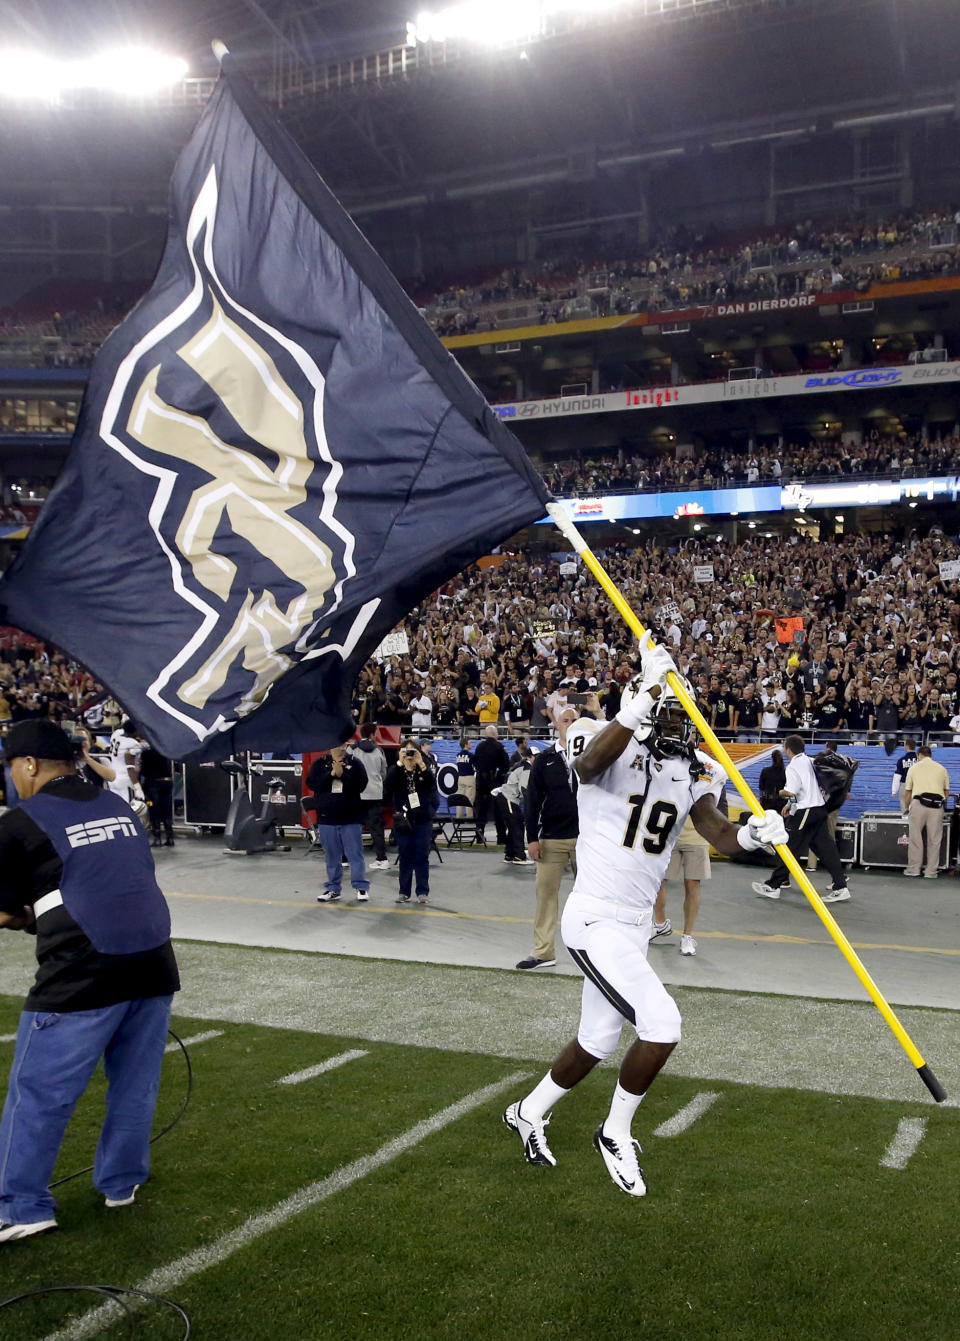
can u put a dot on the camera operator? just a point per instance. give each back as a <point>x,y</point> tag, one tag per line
<point>105,978</point>
<point>411,789</point>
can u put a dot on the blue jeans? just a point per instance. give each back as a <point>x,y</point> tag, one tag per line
<point>54,1059</point>
<point>339,841</point>
<point>415,857</point>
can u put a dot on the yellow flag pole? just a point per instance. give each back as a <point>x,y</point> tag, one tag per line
<point>570,532</point>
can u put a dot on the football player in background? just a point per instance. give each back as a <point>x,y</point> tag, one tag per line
<point>640,777</point>
<point>125,751</point>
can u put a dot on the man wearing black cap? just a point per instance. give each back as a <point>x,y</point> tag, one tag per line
<point>76,869</point>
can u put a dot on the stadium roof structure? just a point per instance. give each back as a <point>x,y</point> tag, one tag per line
<point>668,74</point>
<point>598,112</point>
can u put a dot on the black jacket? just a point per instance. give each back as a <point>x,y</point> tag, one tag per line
<point>772,782</point>
<point>551,802</point>
<point>343,806</point>
<point>413,795</point>
<point>491,760</point>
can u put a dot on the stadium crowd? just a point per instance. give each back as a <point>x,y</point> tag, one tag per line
<point>684,271</point>
<point>680,270</point>
<point>876,454</point>
<point>854,635</point>
<point>851,635</point>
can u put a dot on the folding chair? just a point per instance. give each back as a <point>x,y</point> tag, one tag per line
<point>452,826</point>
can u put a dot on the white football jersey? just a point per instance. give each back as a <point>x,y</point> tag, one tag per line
<point>631,817</point>
<point>120,746</point>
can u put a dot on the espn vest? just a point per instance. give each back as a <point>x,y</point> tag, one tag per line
<point>108,885</point>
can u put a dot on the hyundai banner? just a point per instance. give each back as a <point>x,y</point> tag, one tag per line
<point>708,393</point>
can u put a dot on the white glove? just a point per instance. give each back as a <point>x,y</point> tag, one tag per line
<point>655,663</point>
<point>767,832</point>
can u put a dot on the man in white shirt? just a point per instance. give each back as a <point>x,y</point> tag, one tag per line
<point>421,712</point>
<point>806,825</point>
<point>639,778</point>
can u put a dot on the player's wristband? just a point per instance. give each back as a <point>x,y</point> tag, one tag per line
<point>637,712</point>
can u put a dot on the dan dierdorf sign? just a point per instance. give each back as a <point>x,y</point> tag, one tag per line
<point>706,393</point>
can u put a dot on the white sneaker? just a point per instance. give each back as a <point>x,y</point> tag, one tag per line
<point>381,865</point>
<point>10,1232</point>
<point>765,891</point>
<point>662,929</point>
<point>362,896</point>
<point>532,1134</point>
<point>113,1202</point>
<point>621,1162</point>
<point>688,946</point>
<point>328,896</point>
<point>836,895</point>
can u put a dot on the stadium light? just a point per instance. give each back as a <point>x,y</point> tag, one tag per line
<point>129,71</point>
<point>498,22</point>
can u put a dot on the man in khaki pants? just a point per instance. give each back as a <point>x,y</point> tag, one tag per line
<point>691,859</point>
<point>927,787</point>
<point>552,829</point>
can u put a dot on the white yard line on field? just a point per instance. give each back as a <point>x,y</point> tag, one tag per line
<point>195,1038</point>
<point>175,1273</point>
<point>688,1115</point>
<point>910,1132</point>
<point>331,1064</point>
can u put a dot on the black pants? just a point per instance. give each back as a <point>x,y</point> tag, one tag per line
<point>159,794</point>
<point>808,832</point>
<point>373,818</point>
<point>511,817</point>
<point>483,804</point>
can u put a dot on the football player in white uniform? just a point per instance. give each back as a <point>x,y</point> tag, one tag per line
<point>640,777</point>
<point>125,751</point>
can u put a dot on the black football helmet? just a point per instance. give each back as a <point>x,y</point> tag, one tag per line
<point>671,731</point>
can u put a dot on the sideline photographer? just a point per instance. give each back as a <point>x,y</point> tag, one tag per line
<point>338,781</point>
<point>411,789</point>
<point>78,873</point>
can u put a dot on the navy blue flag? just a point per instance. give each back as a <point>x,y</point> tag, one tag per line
<point>276,459</point>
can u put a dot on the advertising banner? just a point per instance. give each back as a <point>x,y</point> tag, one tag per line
<point>708,393</point>
<point>691,503</point>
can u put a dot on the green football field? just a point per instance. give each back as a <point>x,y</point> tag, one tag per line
<point>384,1198</point>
